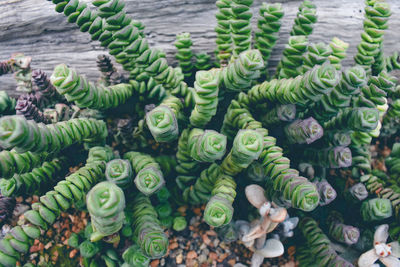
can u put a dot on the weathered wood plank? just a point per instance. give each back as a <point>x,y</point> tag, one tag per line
<point>34,28</point>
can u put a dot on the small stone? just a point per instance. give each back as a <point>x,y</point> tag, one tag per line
<point>211,233</point>
<point>155,263</point>
<point>239,265</point>
<point>162,262</point>
<point>73,253</point>
<point>191,255</point>
<point>34,249</point>
<point>203,246</point>
<point>173,245</point>
<point>206,240</point>
<point>182,209</point>
<point>202,258</point>
<point>48,245</point>
<point>179,259</point>
<point>213,256</point>
<point>20,209</point>
<point>216,242</point>
<point>197,211</point>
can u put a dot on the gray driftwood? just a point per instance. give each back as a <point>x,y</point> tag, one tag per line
<point>34,28</point>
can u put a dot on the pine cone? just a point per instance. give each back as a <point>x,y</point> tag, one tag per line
<point>7,205</point>
<point>5,67</point>
<point>27,106</point>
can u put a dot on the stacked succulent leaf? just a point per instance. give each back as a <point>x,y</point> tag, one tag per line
<point>199,133</point>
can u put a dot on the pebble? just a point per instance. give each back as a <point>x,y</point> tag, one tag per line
<point>213,256</point>
<point>173,245</point>
<point>206,240</point>
<point>154,263</point>
<point>191,255</point>
<point>216,242</point>
<point>202,258</point>
<point>179,259</point>
<point>205,251</point>
<point>239,265</point>
<point>20,209</point>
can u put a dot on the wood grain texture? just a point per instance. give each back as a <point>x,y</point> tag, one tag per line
<point>34,28</point>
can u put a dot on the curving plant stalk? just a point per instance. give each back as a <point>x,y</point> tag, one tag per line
<point>162,121</point>
<point>223,31</point>
<point>287,186</point>
<point>268,25</point>
<point>354,119</point>
<point>205,96</point>
<point>119,172</point>
<point>123,37</point>
<point>341,232</point>
<point>202,61</point>
<point>184,55</point>
<point>149,178</point>
<point>105,203</point>
<point>331,157</point>
<point>186,164</point>
<point>352,79</point>
<point>206,145</point>
<point>339,48</point>
<point>301,90</point>
<point>85,94</point>
<point>292,57</point>
<point>242,72</point>
<point>22,135</point>
<point>31,182</point>
<point>317,54</point>
<point>356,193</point>
<point>306,17</point>
<point>148,91</point>
<point>44,213</point>
<point>133,256</point>
<point>327,193</point>
<point>317,248</point>
<point>240,26</point>
<point>12,162</point>
<point>279,114</point>
<point>392,62</point>
<point>219,210</point>
<point>200,192</point>
<point>148,233</point>
<point>376,209</point>
<point>247,147</point>
<point>377,14</point>
<point>303,131</point>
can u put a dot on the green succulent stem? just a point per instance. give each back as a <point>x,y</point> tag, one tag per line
<point>22,135</point>
<point>149,177</point>
<point>44,213</point>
